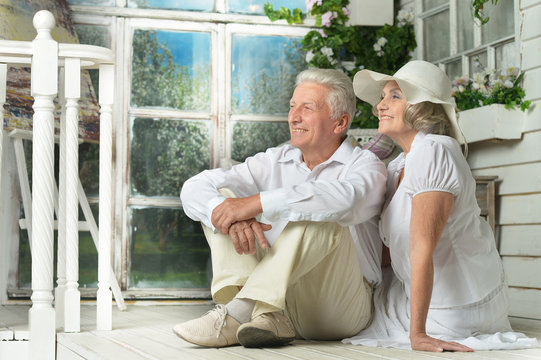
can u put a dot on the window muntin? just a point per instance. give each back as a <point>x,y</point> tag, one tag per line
<point>491,43</point>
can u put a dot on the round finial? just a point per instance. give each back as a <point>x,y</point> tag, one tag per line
<point>44,20</point>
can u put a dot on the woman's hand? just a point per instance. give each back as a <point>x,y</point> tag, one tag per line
<point>423,342</point>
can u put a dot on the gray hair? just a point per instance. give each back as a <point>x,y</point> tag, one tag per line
<point>341,97</point>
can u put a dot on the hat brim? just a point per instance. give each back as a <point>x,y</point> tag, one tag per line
<point>369,84</point>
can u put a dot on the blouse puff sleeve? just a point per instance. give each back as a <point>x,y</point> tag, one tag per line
<point>430,167</point>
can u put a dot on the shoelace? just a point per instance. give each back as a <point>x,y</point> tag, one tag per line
<point>222,313</point>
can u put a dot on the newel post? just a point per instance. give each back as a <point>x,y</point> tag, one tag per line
<point>44,82</point>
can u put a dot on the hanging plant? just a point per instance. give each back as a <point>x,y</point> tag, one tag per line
<point>477,6</point>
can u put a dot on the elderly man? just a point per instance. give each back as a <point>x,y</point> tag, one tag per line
<point>293,231</point>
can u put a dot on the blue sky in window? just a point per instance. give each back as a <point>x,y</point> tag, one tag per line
<point>199,5</point>
<point>256,6</point>
<point>253,54</point>
<point>187,48</point>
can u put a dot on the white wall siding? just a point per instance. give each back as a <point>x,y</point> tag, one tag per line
<point>517,163</point>
<point>520,240</point>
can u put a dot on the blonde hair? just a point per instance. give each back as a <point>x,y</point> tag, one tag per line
<point>427,117</point>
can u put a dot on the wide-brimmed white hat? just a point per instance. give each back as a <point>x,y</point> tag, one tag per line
<point>419,81</point>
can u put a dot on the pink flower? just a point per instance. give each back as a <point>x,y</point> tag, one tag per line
<point>346,11</point>
<point>327,18</point>
<point>322,33</point>
<point>310,4</point>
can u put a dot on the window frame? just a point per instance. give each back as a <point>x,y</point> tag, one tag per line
<point>122,23</point>
<point>478,47</point>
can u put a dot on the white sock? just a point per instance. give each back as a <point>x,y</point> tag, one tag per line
<point>241,309</point>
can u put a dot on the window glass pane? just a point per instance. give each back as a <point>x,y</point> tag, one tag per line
<point>88,261</point>
<point>249,138</point>
<point>165,153</point>
<point>429,4</point>
<point>199,5</point>
<point>92,2</point>
<point>478,63</point>
<point>256,6</point>
<point>89,168</point>
<point>263,72</point>
<point>465,25</point>
<point>454,69</point>
<point>171,69</point>
<point>436,33</point>
<point>506,56</point>
<point>501,21</point>
<point>167,250</point>
<point>93,35</point>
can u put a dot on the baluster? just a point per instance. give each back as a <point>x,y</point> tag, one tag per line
<point>44,83</point>
<point>60,291</point>
<point>3,85</point>
<point>72,318</point>
<point>104,298</point>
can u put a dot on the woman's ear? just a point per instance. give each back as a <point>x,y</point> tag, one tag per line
<point>341,124</point>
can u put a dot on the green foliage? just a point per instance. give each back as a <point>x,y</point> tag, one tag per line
<point>491,87</point>
<point>249,138</point>
<point>477,6</point>
<point>158,81</point>
<point>165,153</point>
<point>334,44</point>
<point>294,17</point>
<point>269,91</point>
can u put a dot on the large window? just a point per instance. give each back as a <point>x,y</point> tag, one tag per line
<point>448,35</point>
<point>198,81</point>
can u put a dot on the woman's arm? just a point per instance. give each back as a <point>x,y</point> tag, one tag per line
<point>429,214</point>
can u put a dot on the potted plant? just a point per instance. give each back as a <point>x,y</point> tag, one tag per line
<point>491,104</point>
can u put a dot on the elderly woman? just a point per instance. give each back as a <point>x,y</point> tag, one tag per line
<point>447,287</point>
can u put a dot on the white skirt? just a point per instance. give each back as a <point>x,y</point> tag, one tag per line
<point>480,326</point>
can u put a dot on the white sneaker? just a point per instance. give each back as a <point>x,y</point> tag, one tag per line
<point>214,329</point>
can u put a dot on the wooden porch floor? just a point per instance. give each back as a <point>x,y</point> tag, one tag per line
<point>143,331</point>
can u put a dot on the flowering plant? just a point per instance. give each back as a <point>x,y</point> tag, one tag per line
<point>490,87</point>
<point>335,44</point>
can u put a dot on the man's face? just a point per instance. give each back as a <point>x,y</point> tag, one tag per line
<point>309,118</point>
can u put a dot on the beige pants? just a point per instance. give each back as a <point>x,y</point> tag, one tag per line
<point>312,272</point>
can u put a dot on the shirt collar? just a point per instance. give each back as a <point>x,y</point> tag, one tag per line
<point>342,154</point>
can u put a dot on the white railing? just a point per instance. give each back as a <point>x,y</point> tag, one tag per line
<point>47,59</point>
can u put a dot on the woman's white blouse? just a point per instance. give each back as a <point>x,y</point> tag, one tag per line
<point>467,266</point>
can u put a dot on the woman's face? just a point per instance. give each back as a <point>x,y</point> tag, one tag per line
<point>391,111</point>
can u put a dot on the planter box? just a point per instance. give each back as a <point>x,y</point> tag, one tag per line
<point>491,122</point>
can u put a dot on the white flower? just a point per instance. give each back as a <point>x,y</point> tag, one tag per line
<point>377,47</point>
<point>327,51</point>
<point>508,83</point>
<point>309,56</point>
<point>348,65</point>
<point>405,16</point>
<point>382,41</point>
<point>380,53</point>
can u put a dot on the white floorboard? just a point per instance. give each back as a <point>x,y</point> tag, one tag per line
<point>143,332</point>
